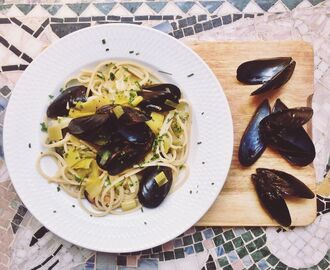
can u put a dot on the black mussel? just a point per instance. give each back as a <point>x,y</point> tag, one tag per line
<point>159,97</point>
<point>283,131</point>
<point>271,72</point>
<point>287,119</point>
<point>252,145</point>
<point>277,81</point>
<point>117,158</point>
<point>272,200</point>
<point>287,184</point>
<point>133,116</point>
<point>261,70</point>
<point>130,115</point>
<point>137,134</point>
<point>66,100</point>
<point>155,184</point>
<point>272,186</point>
<point>94,127</point>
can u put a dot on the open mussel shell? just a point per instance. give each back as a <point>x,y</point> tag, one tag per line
<point>281,78</point>
<point>261,70</point>
<point>137,134</point>
<point>66,100</point>
<point>251,145</point>
<point>133,116</point>
<point>150,193</point>
<point>117,158</point>
<point>91,128</point>
<point>290,140</point>
<point>272,186</point>
<point>271,200</point>
<point>287,184</point>
<point>155,97</point>
<point>286,119</point>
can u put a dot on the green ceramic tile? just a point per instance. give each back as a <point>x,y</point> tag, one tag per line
<point>218,240</point>
<point>257,231</point>
<point>259,242</point>
<point>257,256</point>
<point>197,237</point>
<point>223,261</point>
<point>281,266</point>
<point>242,252</point>
<point>217,230</point>
<point>251,247</point>
<point>247,237</point>
<point>254,267</point>
<point>265,251</point>
<point>272,260</point>
<point>187,240</point>
<point>323,264</point>
<point>238,242</point>
<point>229,235</point>
<point>228,247</point>
<point>228,267</point>
<point>198,247</point>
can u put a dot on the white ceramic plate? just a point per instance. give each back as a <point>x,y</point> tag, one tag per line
<point>212,126</point>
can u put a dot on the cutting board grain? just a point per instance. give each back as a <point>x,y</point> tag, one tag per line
<point>238,204</point>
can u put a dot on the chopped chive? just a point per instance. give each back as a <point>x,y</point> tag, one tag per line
<point>137,53</point>
<point>131,52</point>
<point>51,96</point>
<point>142,209</point>
<point>58,189</point>
<point>112,76</point>
<point>43,127</point>
<point>190,75</point>
<point>103,41</point>
<point>199,142</point>
<point>164,72</point>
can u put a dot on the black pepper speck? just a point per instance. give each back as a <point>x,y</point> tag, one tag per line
<point>29,145</point>
<point>212,183</point>
<point>107,49</point>
<point>137,53</point>
<point>103,41</point>
<point>131,52</point>
<point>73,206</point>
<point>202,113</point>
<point>203,162</point>
<point>190,75</point>
<point>54,211</point>
<point>145,223</point>
<point>199,142</point>
<point>190,191</point>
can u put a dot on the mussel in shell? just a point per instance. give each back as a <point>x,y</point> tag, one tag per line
<point>252,146</point>
<point>102,125</point>
<point>283,131</point>
<point>272,186</point>
<point>152,193</point>
<point>94,127</point>
<point>117,158</point>
<point>271,72</point>
<point>66,100</point>
<point>159,97</point>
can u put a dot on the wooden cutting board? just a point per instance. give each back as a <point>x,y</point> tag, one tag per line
<point>238,204</point>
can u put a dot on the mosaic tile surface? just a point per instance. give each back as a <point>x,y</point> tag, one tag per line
<point>26,29</point>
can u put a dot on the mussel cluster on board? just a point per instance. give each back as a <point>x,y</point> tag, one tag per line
<point>120,134</point>
<point>280,129</point>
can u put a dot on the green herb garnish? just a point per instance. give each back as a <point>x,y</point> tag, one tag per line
<point>112,76</point>
<point>100,75</point>
<point>51,96</point>
<point>58,188</point>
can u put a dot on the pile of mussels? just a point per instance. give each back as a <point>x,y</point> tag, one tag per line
<point>125,141</point>
<point>279,128</point>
